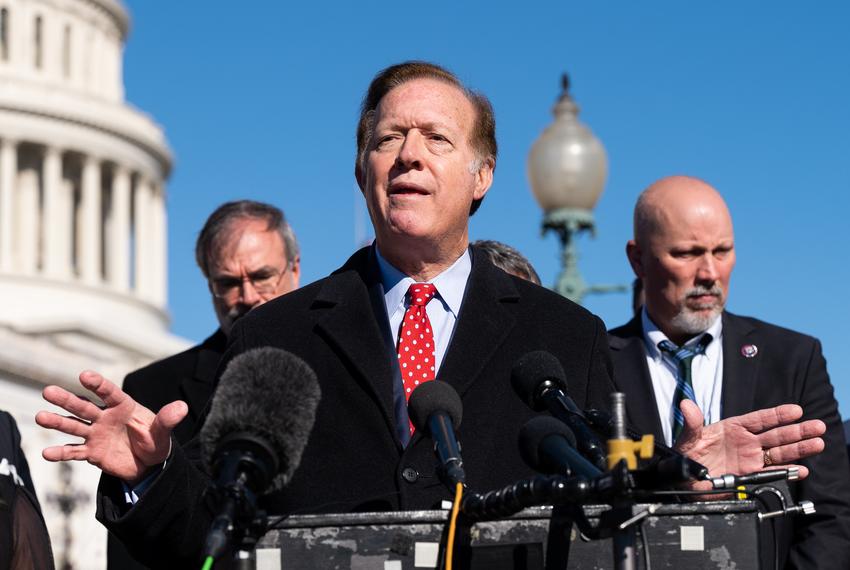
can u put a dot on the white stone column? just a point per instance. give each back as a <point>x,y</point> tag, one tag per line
<point>87,53</point>
<point>118,65</point>
<point>141,234</point>
<point>67,225</point>
<point>18,44</point>
<point>118,232</point>
<point>50,32</point>
<point>11,48</point>
<point>55,244</point>
<point>78,53</point>
<point>89,254</point>
<point>27,222</point>
<point>8,175</point>
<point>159,257</point>
<point>97,64</point>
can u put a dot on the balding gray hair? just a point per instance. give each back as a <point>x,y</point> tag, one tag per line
<point>218,224</point>
<point>507,259</point>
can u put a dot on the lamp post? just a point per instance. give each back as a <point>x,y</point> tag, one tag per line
<point>567,168</point>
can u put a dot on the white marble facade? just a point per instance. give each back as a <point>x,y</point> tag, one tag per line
<point>82,231</point>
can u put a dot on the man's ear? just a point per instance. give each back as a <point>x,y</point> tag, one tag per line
<point>358,175</point>
<point>295,268</point>
<point>483,178</point>
<point>635,256</point>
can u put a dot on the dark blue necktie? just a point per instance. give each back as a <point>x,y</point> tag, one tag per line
<point>682,358</point>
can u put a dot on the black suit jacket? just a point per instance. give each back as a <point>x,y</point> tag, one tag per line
<point>188,376</point>
<point>788,368</point>
<point>354,460</point>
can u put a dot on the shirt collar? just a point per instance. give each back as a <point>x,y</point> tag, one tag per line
<point>450,284</point>
<point>652,335</point>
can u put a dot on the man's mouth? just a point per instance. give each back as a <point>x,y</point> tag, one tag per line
<point>704,299</point>
<point>703,304</point>
<point>407,189</point>
<point>238,312</point>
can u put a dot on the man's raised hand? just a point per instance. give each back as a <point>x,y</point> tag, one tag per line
<point>742,444</point>
<point>123,439</point>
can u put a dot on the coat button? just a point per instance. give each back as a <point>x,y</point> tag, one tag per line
<point>410,474</point>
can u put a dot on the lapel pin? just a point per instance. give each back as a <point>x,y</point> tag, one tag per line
<point>749,350</point>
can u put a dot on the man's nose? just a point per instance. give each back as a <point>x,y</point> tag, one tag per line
<point>250,296</point>
<point>707,270</point>
<point>410,153</point>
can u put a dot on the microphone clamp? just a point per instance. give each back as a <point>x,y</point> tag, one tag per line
<point>759,478</point>
<point>804,508</point>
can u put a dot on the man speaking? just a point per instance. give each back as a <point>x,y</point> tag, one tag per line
<point>418,305</point>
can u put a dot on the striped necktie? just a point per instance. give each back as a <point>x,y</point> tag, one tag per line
<point>682,358</point>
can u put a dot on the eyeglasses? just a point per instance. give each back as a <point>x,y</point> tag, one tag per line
<point>264,282</point>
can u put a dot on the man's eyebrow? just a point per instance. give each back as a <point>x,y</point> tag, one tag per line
<point>688,248</point>
<point>263,269</point>
<point>426,125</point>
<point>228,275</point>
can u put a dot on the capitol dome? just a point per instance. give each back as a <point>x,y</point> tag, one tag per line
<point>83,273</point>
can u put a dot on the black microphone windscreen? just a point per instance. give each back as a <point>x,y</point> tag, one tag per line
<point>434,396</point>
<point>268,393</point>
<point>532,434</point>
<point>532,369</point>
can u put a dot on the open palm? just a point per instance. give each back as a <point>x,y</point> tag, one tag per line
<point>123,439</point>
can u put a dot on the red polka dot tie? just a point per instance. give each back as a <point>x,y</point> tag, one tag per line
<point>416,340</point>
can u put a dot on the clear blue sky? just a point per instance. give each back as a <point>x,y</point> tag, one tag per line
<point>259,100</point>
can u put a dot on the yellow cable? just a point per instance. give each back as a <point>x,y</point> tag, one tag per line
<point>450,541</point>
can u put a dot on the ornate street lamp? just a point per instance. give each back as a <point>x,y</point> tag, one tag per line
<point>567,168</point>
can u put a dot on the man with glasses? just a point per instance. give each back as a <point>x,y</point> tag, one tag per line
<point>248,253</point>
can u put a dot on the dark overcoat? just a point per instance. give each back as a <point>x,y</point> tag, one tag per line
<point>354,460</point>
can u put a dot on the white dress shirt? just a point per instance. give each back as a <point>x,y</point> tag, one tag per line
<point>706,373</point>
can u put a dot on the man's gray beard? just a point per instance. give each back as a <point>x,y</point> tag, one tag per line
<point>689,321</point>
<point>236,313</point>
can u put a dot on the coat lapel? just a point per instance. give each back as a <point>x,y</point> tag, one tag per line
<point>354,322</point>
<point>631,376</point>
<point>482,326</point>
<point>348,306</point>
<point>196,391</point>
<point>739,371</point>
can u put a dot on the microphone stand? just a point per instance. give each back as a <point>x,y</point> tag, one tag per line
<point>621,487</point>
<point>616,487</point>
<point>618,523</point>
<point>244,555</point>
<point>624,536</point>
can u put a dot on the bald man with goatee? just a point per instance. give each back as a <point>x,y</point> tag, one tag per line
<point>689,367</point>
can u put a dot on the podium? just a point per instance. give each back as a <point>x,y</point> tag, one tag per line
<point>719,534</point>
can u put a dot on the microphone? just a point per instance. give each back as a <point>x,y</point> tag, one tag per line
<point>548,446</point>
<point>539,380</point>
<point>435,408</point>
<point>260,418</point>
